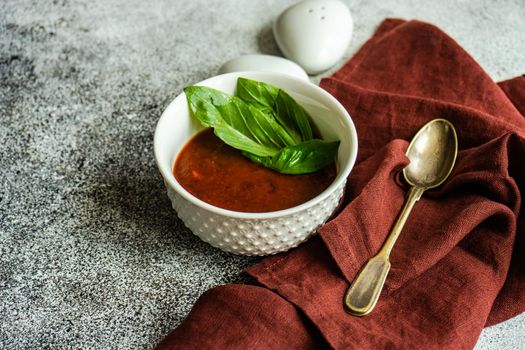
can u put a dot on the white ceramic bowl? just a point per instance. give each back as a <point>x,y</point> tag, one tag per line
<point>256,233</point>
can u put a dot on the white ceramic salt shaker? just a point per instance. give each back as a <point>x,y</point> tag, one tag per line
<point>314,33</point>
<point>263,63</point>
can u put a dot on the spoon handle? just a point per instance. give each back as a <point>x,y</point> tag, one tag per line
<point>364,291</point>
<point>414,194</point>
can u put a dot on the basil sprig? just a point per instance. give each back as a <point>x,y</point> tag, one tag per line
<point>265,123</point>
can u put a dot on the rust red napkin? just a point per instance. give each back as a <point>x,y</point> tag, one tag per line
<point>459,264</point>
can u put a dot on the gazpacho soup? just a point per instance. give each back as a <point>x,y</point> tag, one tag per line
<point>220,175</point>
<point>259,151</point>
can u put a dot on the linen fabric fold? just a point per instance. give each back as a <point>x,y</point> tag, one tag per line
<point>459,264</point>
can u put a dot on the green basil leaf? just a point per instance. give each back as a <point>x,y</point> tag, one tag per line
<point>257,92</point>
<point>231,119</point>
<point>307,157</point>
<point>240,141</point>
<point>203,103</point>
<point>286,110</point>
<point>265,123</point>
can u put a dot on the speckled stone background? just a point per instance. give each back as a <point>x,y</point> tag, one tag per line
<point>91,254</point>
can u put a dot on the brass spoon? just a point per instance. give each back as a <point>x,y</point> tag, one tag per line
<point>432,153</point>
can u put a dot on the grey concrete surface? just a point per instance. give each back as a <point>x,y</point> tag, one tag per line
<point>91,254</point>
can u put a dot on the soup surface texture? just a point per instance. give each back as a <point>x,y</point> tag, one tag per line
<point>220,175</point>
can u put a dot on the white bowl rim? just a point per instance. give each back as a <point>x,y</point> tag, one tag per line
<point>340,178</point>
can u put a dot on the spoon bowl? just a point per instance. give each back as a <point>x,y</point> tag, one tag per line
<point>432,154</point>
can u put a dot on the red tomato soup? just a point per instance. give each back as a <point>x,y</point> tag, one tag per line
<point>220,175</point>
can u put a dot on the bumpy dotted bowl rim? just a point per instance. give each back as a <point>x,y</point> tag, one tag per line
<point>343,116</point>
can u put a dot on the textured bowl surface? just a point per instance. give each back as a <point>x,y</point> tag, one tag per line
<point>248,236</point>
<point>256,233</point>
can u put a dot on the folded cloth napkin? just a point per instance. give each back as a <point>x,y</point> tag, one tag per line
<point>459,264</point>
